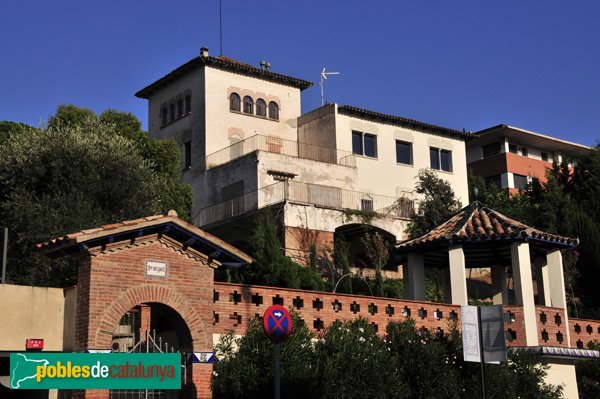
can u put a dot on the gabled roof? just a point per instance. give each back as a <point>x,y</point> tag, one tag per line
<point>478,222</point>
<point>169,224</point>
<point>226,64</point>
<point>401,121</point>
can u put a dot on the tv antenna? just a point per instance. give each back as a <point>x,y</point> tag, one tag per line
<point>322,83</point>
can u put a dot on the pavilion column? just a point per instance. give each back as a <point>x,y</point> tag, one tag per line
<point>521,266</point>
<point>556,286</point>
<point>499,285</point>
<point>414,277</point>
<point>458,276</point>
<point>543,281</point>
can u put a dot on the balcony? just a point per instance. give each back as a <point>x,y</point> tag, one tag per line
<point>309,194</point>
<point>277,145</point>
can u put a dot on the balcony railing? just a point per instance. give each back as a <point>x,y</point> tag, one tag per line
<point>305,193</point>
<point>278,145</point>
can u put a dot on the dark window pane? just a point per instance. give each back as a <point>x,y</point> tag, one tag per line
<point>188,154</point>
<point>512,148</point>
<point>403,152</point>
<point>524,151</point>
<point>165,115</point>
<point>491,149</point>
<point>370,145</point>
<point>179,108</point>
<point>520,181</point>
<point>544,156</point>
<point>234,102</point>
<point>446,160</point>
<point>273,110</point>
<point>434,155</point>
<point>248,105</point>
<point>357,147</point>
<point>366,205</point>
<point>261,107</point>
<point>188,104</point>
<point>172,112</point>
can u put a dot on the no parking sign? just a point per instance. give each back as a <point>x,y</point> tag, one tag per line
<point>277,323</point>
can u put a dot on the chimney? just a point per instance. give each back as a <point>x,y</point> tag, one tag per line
<point>263,65</point>
<point>268,66</point>
<point>204,52</point>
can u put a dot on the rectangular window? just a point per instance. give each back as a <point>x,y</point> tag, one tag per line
<point>357,145</point>
<point>404,152</point>
<point>513,148</point>
<point>187,154</point>
<point>366,205</point>
<point>364,144</point>
<point>524,151</point>
<point>446,160</point>
<point>491,149</point>
<point>440,159</point>
<point>434,156</point>
<point>520,181</point>
<point>545,156</point>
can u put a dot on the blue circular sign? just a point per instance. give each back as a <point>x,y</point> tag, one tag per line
<point>277,323</point>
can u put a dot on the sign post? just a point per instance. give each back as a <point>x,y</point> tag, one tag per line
<point>278,327</point>
<point>483,336</point>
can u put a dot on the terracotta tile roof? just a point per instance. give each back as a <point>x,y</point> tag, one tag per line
<point>73,242</point>
<point>478,222</point>
<point>224,63</point>
<point>401,121</point>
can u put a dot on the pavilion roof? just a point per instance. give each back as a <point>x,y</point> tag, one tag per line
<point>479,223</point>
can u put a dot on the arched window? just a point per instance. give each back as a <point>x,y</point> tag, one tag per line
<point>165,116</point>
<point>188,104</point>
<point>172,112</point>
<point>273,110</point>
<point>261,107</point>
<point>234,102</point>
<point>248,105</point>
<point>179,108</point>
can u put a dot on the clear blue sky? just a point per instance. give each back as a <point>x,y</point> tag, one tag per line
<point>461,64</point>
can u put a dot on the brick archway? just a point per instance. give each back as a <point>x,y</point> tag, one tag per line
<point>150,293</point>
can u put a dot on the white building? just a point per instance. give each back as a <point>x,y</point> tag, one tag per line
<point>246,146</point>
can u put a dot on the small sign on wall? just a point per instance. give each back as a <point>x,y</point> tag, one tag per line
<point>156,268</point>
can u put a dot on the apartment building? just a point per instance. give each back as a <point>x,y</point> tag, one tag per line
<point>510,157</point>
<point>246,146</point>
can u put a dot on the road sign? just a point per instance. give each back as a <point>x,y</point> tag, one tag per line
<point>490,333</point>
<point>277,323</point>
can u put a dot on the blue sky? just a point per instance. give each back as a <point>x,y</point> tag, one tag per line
<point>461,64</point>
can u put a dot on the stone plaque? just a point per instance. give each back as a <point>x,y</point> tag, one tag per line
<point>156,268</point>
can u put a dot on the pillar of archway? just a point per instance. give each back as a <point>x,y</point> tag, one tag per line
<point>160,259</point>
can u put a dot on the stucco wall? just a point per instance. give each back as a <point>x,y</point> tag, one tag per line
<point>33,312</point>
<point>382,175</point>
<point>222,124</point>
<point>562,372</point>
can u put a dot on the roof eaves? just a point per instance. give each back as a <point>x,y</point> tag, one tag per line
<point>399,120</point>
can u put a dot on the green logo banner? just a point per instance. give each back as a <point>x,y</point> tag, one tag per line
<point>95,370</point>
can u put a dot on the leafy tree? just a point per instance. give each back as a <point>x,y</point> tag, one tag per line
<point>377,251</point>
<point>353,361</point>
<point>588,375</point>
<point>438,203</point>
<point>341,261</point>
<point>247,372</point>
<point>8,128</point>
<point>272,267</point>
<point>64,179</point>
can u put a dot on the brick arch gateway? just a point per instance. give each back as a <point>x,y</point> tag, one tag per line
<point>158,266</point>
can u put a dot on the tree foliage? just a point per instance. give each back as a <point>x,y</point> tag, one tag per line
<point>351,360</point>
<point>437,205</point>
<point>78,173</point>
<point>272,267</point>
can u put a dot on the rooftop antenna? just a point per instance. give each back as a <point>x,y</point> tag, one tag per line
<point>221,25</point>
<point>322,83</point>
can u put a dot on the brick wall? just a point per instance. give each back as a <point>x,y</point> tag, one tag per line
<point>552,329</point>
<point>112,280</point>
<point>584,331</point>
<point>235,304</point>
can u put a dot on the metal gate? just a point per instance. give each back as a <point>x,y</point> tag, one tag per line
<point>152,345</point>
